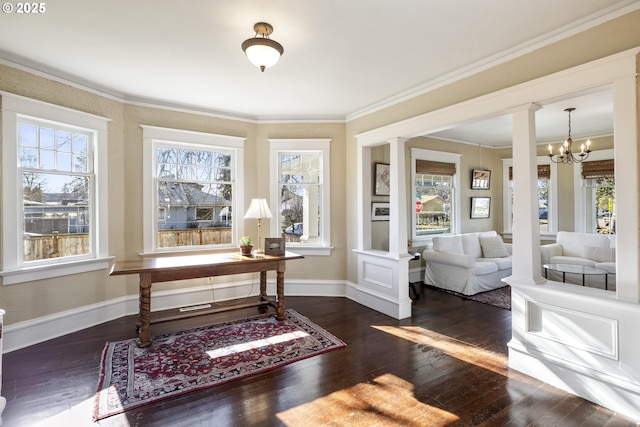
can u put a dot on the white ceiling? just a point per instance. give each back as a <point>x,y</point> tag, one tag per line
<point>342,58</point>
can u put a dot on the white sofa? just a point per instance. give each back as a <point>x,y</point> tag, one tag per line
<point>592,250</point>
<point>457,262</point>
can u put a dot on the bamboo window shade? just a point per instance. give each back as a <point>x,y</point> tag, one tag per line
<point>598,169</point>
<point>428,167</point>
<point>544,171</point>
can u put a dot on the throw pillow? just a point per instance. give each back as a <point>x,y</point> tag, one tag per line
<point>493,247</point>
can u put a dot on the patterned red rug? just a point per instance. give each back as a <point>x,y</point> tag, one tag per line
<point>203,357</point>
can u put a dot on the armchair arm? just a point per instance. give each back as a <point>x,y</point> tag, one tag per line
<point>550,250</point>
<point>456,260</point>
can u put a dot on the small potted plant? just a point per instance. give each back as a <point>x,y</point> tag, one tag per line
<point>246,245</point>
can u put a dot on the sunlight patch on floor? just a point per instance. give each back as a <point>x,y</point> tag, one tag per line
<point>495,362</point>
<point>386,401</point>
<point>238,348</point>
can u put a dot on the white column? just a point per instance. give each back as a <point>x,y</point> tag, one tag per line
<point>364,172</point>
<point>397,199</point>
<point>527,266</point>
<point>625,130</point>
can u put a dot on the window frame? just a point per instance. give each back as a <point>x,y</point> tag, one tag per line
<point>15,110</point>
<point>552,210</point>
<point>456,217</point>
<point>152,136</point>
<point>303,146</point>
<point>580,215</point>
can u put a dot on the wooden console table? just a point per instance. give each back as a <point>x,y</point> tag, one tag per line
<point>165,269</point>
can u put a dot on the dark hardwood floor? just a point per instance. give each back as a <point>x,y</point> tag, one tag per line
<point>446,366</point>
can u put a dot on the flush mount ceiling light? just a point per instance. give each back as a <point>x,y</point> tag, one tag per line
<point>260,49</point>
<point>565,155</point>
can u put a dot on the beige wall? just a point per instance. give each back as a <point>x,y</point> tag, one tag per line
<point>36,299</point>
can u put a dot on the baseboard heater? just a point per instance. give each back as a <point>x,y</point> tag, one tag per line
<point>195,307</point>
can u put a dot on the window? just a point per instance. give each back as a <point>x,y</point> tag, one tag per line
<point>300,194</point>
<point>194,191</point>
<point>598,186</point>
<point>53,196</point>
<point>435,185</point>
<point>546,196</point>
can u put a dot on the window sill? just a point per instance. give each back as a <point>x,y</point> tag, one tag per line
<point>310,250</point>
<point>188,251</point>
<point>30,274</point>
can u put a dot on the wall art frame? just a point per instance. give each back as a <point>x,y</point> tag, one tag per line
<point>480,207</point>
<point>480,179</point>
<point>379,211</point>
<point>381,179</point>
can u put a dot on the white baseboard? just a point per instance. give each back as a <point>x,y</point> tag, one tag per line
<point>34,331</point>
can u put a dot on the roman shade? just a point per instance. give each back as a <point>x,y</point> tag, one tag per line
<point>428,167</point>
<point>598,169</point>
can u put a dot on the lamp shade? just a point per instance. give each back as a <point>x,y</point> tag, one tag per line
<point>258,209</point>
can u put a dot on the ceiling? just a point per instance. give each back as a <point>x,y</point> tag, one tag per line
<point>341,58</point>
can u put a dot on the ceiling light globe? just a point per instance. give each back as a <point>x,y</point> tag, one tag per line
<point>261,50</point>
<point>262,53</point>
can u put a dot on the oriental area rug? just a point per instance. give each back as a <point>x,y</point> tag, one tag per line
<point>500,297</point>
<point>203,357</point>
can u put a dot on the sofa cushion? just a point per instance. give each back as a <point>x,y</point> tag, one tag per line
<point>471,245</point>
<point>573,243</point>
<point>493,247</point>
<point>599,254</point>
<point>451,244</point>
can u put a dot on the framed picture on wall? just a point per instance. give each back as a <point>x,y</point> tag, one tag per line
<point>380,212</point>
<point>480,179</point>
<point>480,207</point>
<point>381,180</point>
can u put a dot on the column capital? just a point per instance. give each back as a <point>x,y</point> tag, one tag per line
<point>531,106</point>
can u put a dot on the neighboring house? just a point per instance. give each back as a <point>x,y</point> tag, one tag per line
<point>185,205</point>
<point>56,213</point>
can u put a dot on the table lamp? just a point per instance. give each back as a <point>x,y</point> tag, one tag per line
<point>258,209</point>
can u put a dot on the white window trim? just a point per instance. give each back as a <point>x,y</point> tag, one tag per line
<point>436,156</point>
<point>153,135</point>
<point>552,208</point>
<point>314,145</point>
<point>13,108</point>
<point>578,200</point>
